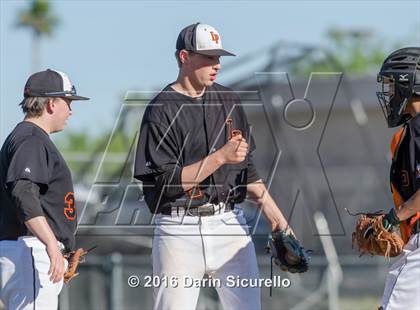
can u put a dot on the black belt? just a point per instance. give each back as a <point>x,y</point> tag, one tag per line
<point>203,210</point>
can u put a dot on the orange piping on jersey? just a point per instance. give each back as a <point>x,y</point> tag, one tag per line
<point>398,201</point>
<point>396,140</point>
<point>405,228</point>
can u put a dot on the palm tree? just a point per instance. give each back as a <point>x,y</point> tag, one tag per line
<point>41,21</point>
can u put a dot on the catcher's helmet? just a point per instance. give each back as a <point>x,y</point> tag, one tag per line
<point>399,79</point>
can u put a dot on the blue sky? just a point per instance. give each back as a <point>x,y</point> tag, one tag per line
<point>109,47</point>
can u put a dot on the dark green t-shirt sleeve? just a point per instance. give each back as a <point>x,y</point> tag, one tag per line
<point>252,173</point>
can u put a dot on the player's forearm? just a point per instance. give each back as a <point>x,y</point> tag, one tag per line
<point>42,230</point>
<point>197,172</point>
<point>410,207</point>
<point>259,193</point>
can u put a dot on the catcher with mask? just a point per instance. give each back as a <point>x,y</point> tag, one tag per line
<point>399,96</point>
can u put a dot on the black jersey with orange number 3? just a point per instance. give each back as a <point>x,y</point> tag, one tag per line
<point>29,154</point>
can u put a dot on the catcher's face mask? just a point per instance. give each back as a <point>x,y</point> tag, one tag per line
<point>399,79</point>
<point>395,91</point>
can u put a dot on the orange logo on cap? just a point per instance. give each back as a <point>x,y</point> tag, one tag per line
<point>214,37</point>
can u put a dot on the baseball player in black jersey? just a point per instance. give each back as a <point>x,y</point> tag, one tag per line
<point>399,96</point>
<point>194,157</point>
<point>37,207</point>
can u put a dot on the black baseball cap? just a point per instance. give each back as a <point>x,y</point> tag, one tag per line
<point>201,39</point>
<point>51,83</point>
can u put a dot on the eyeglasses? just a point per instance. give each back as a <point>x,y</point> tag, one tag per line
<point>63,93</point>
<point>66,100</point>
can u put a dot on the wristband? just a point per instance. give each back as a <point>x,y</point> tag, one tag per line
<point>392,217</point>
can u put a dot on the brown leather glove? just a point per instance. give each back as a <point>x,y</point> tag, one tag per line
<point>74,258</point>
<point>372,237</point>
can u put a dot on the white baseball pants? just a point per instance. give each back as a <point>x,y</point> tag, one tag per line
<point>218,245</point>
<point>402,288</point>
<point>24,280</point>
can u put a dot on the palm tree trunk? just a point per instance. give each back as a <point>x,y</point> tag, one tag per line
<point>36,53</point>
